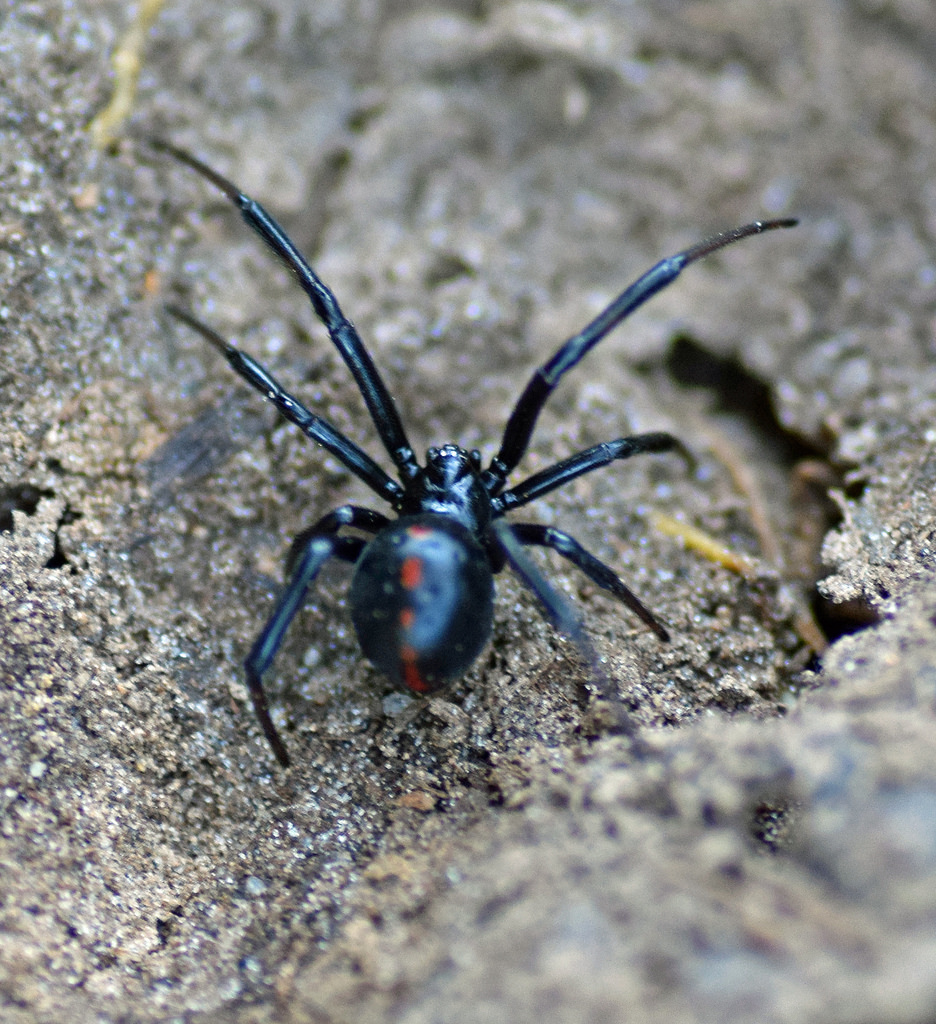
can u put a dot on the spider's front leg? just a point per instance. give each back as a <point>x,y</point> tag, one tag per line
<point>340,329</point>
<point>307,556</point>
<point>586,462</point>
<point>541,385</point>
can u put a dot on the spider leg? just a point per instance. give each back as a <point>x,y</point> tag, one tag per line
<point>594,569</point>
<point>564,617</point>
<point>541,385</point>
<point>368,520</point>
<point>598,455</point>
<point>340,329</point>
<point>314,427</point>
<point>320,543</point>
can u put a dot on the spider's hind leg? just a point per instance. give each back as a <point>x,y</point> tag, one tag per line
<point>594,569</point>
<point>566,619</point>
<point>310,551</point>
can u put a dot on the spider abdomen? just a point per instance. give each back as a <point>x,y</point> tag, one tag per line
<point>422,601</point>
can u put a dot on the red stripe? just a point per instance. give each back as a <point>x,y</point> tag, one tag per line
<point>411,674</point>
<point>411,572</point>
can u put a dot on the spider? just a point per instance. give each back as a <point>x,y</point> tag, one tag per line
<point>422,589</point>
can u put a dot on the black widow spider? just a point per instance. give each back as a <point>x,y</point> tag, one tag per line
<point>422,592</point>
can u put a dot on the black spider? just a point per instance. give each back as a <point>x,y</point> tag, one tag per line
<point>422,593</point>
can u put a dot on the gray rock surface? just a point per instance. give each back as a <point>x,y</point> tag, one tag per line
<point>474,181</point>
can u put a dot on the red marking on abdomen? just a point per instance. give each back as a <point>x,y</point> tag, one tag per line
<point>411,572</point>
<point>411,674</point>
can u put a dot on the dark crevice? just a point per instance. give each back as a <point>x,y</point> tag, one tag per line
<point>163,931</point>
<point>741,394</point>
<point>844,617</point>
<point>854,489</point>
<point>737,391</point>
<point>58,559</point>
<point>19,498</point>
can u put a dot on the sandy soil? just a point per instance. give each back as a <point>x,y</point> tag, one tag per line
<point>474,180</point>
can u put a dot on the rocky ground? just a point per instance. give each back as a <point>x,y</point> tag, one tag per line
<point>474,180</point>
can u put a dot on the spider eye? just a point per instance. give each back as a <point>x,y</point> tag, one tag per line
<point>449,463</point>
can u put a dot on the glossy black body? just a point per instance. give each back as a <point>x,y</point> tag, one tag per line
<point>422,592</point>
<point>422,601</point>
